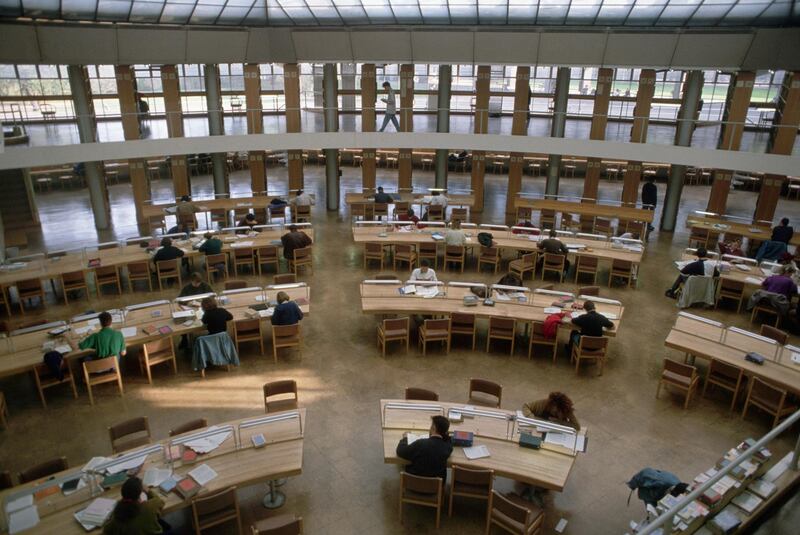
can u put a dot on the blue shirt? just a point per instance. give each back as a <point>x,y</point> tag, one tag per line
<point>287,313</point>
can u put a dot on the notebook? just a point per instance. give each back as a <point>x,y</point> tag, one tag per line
<point>476,452</point>
<point>186,488</point>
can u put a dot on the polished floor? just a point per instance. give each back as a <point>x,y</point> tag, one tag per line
<point>345,486</point>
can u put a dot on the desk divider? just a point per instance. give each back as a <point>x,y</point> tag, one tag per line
<point>733,259</point>
<point>37,328</point>
<point>762,339</point>
<point>596,237</point>
<point>553,292</point>
<point>266,420</point>
<point>424,407</point>
<point>190,298</point>
<point>235,229</point>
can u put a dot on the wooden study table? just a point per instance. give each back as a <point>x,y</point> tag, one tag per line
<point>463,200</point>
<point>260,202</point>
<point>241,466</point>
<point>589,209</point>
<point>386,299</point>
<point>734,273</point>
<point>753,231</point>
<point>548,467</point>
<point>705,341</point>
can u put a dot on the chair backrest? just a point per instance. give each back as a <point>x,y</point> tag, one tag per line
<point>454,250</point>
<point>290,527</point>
<point>372,247</point>
<point>214,259</point>
<point>73,277</point>
<point>285,386</point>
<point>594,291</point>
<point>103,272</point>
<point>421,394</point>
<point>395,324</point>
<point>462,320</point>
<point>160,344</point>
<point>492,252</point>
<point>767,392</point>
<point>166,266</point>
<point>303,210</point>
<point>538,328</point>
<point>243,253</point>
<point>622,265</point>
<point>501,323</point>
<point>437,325</point>
<point>381,207</point>
<point>235,284</point>
<point>247,325</point>
<point>529,259</point>
<point>52,466</point>
<point>28,285</point>
<point>218,503</point>
<point>285,330</point>
<point>302,253</point>
<point>435,210</point>
<point>403,248</point>
<point>585,261</point>
<point>685,370</point>
<point>139,268</point>
<point>191,425</point>
<point>593,344</point>
<point>419,484</point>
<point>719,367</point>
<point>101,365</point>
<point>129,427</point>
<point>428,248</point>
<point>554,260</point>
<point>385,277</point>
<point>285,278</point>
<point>546,287</point>
<point>486,387</point>
<point>510,509</point>
<point>731,285</point>
<point>267,252</point>
<point>774,333</point>
<point>470,476</point>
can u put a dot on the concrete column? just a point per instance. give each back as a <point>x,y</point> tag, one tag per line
<point>330,103</point>
<point>291,94</point>
<point>782,138</point>
<point>126,91</point>
<point>87,131</point>
<point>602,98</point>
<point>692,90</point>
<point>255,125</point>
<point>170,84</point>
<point>404,163</point>
<point>641,118</point>
<point>443,122</point>
<point>216,127</point>
<point>560,98</point>
<point>519,127</point>
<point>369,91</point>
<point>482,82</point>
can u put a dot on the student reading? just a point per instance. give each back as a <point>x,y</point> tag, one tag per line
<point>428,456</point>
<point>107,342</point>
<point>287,312</point>
<point>137,512</point>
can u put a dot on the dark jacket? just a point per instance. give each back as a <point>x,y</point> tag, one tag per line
<point>428,456</point>
<point>382,197</point>
<point>211,246</point>
<point>287,313</point>
<point>145,523</point>
<point>202,288</point>
<point>216,319</point>
<point>553,246</point>
<point>697,268</point>
<point>782,233</point>
<point>167,253</point>
<point>592,323</point>
<point>650,193</point>
<point>292,241</point>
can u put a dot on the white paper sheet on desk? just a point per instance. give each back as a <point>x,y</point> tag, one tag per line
<point>552,310</point>
<point>83,330</point>
<point>242,244</point>
<point>23,519</point>
<point>15,265</point>
<point>129,332</point>
<point>476,452</point>
<point>266,313</point>
<point>93,462</point>
<point>93,322</point>
<point>753,280</point>
<point>81,484</point>
<point>409,289</point>
<point>560,439</point>
<point>129,465</point>
<point>742,267</point>
<point>203,474</point>
<point>259,298</point>
<point>413,437</point>
<point>153,477</point>
<point>500,296</point>
<point>116,317</point>
<point>766,271</point>
<point>575,246</point>
<point>205,445</point>
<point>633,248</point>
<point>20,503</point>
<point>427,291</point>
<point>63,348</point>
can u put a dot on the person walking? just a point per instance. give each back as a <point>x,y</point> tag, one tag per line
<point>391,108</point>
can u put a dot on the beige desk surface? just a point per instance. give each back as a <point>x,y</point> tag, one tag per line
<point>592,209</point>
<point>548,467</point>
<point>737,274</point>
<point>703,342</point>
<point>762,232</point>
<point>385,299</point>
<point>281,457</point>
<point>260,202</point>
<point>454,199</point>
<point>504,239</point>
<point>119,256</point>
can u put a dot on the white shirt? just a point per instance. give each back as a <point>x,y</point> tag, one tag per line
<point>391,107</point>
<point>418,275</point>
<point>304,199</point>
<point>439,199</point>
<point>455,237</point>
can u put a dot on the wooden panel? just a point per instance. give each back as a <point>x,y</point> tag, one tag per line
<point>369,92</point>
<point>174,110</point>
<point>295,166</point>
<point>126,90</point>
<point>597,210</point>
<point>602,97</point>
<point>406,98</point>
<point>255,125</point>
<point>522,94</point>
<point>258,170</point>
<point>291,91</point>
<point>641,113</point>
<point>478,178</point>
<point>405,168</point>
<point>482,83</point>
<point>591,181</point>
<point>368,169</point>
<point>516,161</point>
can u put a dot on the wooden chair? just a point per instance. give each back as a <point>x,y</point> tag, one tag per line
<point>763,307</point>
<point>155,223</point>
<point>486,393</point>
<point>359,210</point>
<point>46,379</point>
<point>514,515</point>
<point>216,508</point>
<point>700,237</point>
<point>248,330</point>
<point>96,372</point>
<point>420,394</point>
<point>727,376</point>
<point>72,282</point>
<point>301,214</point>
<point>235,285</point>
<point>373,251</point>
<point>554,263</point>
<point>266,256</point>
<point>286,524</point>
<point>547,219</point>
<point>524,213</point>
<point>455,254</point>
<point>768,398</point>
<point>593,291</point>
<point>436,212</point>
<point>523,265</point>
<point>602,226</point>
<point>592,348</point>
<point>106,276</point>
<point>470,483</point>
<point>129,434</point>
<point>280,390</point>
<point>782,337</point>
<point>621,269</point>
<point>434,331</point>
<point>404,253</point>
<point>489,255</point>
<point>42,470</point>
<point>393,330</point>
<point>538,338</point>
<point>139,271</point>
<point>681,376</point>
<point>401,207</point>
<point>501,329</point>
<point>586,265</point>
<point>418,490</point>
<point>301,258</point>
<point>168,269</point>
<point>730,289</point>
<point>243,256</point>
<point>191,425</point>
<point>380,210</point>
<point>429,251</point>
<point>464,324</point>
<point>285,336</point>
<point>459,214</point>
<point>284,278</point>
<point>29,289</point>
<point>157,352</point>
<point>216,263</point>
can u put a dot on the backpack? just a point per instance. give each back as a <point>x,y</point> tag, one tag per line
<point>652,485</point>
<point>54,362</point>
<point>485,239</point>
<point>551,324</point>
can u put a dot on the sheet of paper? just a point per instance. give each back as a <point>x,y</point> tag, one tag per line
<point>205,445</point>
<point>577,313</point>
<point>580,444</point>
<point>742,267</point>
<point>94,322</point>
<point>413,437</point>
<point>247,243</point>
<point>427,291</point>
<point>476,452</point>
<point>93,463</point>
<point>409,289</point>
<point>560,439</point>
<point>552,310</point>
<point>561,525</point>
<point>266,313</point>
<point>153,477</point>
<point>129,332</point>
<point>128,465</point>
<point>753,280</point>
<point>203,474</point>
<point>83,330</point>
<point>20,503</point>
<point>23,519</point>
<point>500,296</point>
<point>63,348</point>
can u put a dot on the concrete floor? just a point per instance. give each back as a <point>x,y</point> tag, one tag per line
<point>345,487</point>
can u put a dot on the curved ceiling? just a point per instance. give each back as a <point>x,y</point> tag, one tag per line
<point>624,13</point>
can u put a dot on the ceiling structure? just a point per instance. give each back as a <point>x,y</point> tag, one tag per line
<point>255,13</point>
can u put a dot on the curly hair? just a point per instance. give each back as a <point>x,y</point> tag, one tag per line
<point>560,403</point>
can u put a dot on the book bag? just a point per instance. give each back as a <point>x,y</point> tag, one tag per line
<point>551,324</point>
<point>652,485</point>
<point>485,239</point>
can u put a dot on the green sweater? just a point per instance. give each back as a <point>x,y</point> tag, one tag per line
<point>106,343</point>
<point>211,246</point>
<point>145,523</point>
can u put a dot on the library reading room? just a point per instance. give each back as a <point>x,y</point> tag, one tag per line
<point>402,267</point>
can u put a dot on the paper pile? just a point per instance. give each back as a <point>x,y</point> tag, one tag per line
<point>205,445</point>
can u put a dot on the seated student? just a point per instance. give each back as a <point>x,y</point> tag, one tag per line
<point>287,312</point>
<point>137,513</point>
<point>783,232</point>
<point>510,279</point>
<point>303,199</point>
<point>698,267</point>
<point>454,235</point>
<point>437,199</point>
<point>409,216</point>
<point>423,272</point>
<point>590,324</point>
<point>107,342</point>
<point>553,245</point>
<point>428,456</point>
<point>557,407</point>
<point>247,221</point>
<point>167,251</point>
<point>196,286</point>
<point>781,283</point>
<point>381,197</point>
<point>180,228</point>
<point>215,318</point>
<point>294,239</point>
<point>211,245</point>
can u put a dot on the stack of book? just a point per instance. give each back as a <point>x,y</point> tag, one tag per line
<point>96,514</point>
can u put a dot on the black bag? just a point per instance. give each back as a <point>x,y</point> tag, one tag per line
<point>485,239</point>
